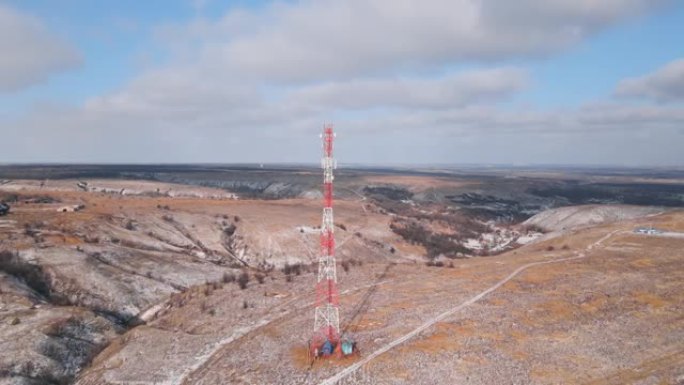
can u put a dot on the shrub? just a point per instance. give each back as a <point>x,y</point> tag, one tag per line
<point>434,243</point>
<point>434,263</point>
<point>260,278</point>
<point>292,269</point>
<point>550,248</point>
<point>31,229</point>
<point>10,198</point>
<point>345,266</point>
<point>534,229</point>
<point>52,349</point>
<point>27,369</point>
<point>243,280</point>
<point>130,226</point>
<point>177,300</point>
<point>91,239</point>
<point>229,230</point>
<point>228,277</point>
<point>390,192</point>
<point>32,275</point>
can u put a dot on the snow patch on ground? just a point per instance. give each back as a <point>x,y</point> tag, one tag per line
<point>529,238</point>
<point>500,239</point>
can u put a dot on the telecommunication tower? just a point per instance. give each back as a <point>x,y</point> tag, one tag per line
<point>327,315</point>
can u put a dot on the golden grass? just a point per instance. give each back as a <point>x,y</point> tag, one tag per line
<point>446,337</point>
<point>594,305</point>
<point>654,367</point>
<point>651,300</point>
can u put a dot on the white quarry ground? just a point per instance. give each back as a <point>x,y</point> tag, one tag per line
<point>572,217</point>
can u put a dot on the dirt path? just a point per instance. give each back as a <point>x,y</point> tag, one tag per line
<point>352,368</point>
<point>206,358</point>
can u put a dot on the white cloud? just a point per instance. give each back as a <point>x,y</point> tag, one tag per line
<point>340,39</point>
<point>255,86</point>
<point>262,131</point>
<point>486,119</point>
<point>199,5</point>
<point>664,85</point>
<point>442,92</point>
<point>30,53</point>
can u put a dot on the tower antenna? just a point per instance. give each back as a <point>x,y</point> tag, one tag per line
<point>326,337</point>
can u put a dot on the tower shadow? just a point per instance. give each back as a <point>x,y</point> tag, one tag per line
<point>361,309</point>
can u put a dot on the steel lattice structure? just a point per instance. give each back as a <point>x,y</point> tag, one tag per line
<point>327,315</point>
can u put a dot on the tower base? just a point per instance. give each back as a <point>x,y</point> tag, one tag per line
<point>324,348</point>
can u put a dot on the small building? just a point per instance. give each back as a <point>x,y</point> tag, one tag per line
<point>70,209</point>
<point>4,208</point>
<point>646,230</point>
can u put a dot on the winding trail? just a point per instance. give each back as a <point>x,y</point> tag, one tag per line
<point>354,367</point>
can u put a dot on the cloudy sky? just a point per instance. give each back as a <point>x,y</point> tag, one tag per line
<point>590,82</point>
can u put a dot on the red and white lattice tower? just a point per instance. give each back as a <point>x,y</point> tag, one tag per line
<point>327,315</point>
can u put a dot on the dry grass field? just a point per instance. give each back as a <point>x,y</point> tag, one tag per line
<point>146,280</point>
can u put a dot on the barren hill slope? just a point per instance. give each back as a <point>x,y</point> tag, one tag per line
<point>161,283</point>
<point>572,217</point>
<point>578,314</point>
